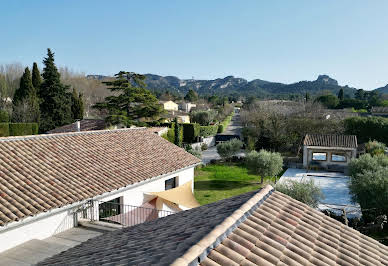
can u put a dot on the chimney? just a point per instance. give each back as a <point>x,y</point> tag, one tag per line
<point>78,126</point>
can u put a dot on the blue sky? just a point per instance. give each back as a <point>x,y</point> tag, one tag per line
<point>275,40</point>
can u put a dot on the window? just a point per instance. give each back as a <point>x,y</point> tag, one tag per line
<point>338,158</point>
<point>319,156</point>
<point>171,183</point>
<point>109,208</point>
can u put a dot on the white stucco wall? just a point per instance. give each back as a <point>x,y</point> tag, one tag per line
<point>58,220</point>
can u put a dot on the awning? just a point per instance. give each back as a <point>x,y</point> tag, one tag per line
<point>181,195</point>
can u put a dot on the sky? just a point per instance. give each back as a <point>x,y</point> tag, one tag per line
<point>278,40</point>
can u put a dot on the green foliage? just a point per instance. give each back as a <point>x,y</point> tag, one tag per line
<point>4,129</point>
<point>341,94</point>
<point>190,132</point>
<point>375,148</point>
<point>367,128</point>
<point>204,147</point>
<point>191,96</point>
<point>4,117</point>
<point>77,105</point>
<point>170,135</point>
<point>353,103</point>
<point>229,148</point>
<point>329,101</point>
<point>369,184</point>
<point>265,163</point>
<point>304,191</point>
<point>55,106</point>
<point>207,131</point>
<point>36,78</point>
<point>177,130</point>
<point>23,129</point>
<point>197,152</point>
<point>220,128</point>
<point>204,118</point>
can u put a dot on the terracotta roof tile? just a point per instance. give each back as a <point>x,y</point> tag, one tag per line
<point>39,173</point>
<point>260,235</point>
<point>338,141</point>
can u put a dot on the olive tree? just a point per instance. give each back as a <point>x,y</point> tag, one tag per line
<point>265,163</point>
<point>304,191</point>
<point>229,148</point>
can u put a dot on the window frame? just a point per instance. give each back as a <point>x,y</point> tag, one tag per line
<point>315,160</point>
<point>175,183</point>
<point>338,154</point>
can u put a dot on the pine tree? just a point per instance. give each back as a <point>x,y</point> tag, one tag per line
<point>134,101</point>
<point>77,105</point>
<point>55,99</point>
<point>25,101</point>
<point>191,96</point>
<point>36,78</point>
<point>341,94</point>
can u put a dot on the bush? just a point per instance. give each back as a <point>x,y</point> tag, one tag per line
<point>265,163</point>
<point>375,148</point>
<point>4,129</point>
<point>229,148</point>
<point>23,129</point>
<point>4,117</point>
<point>207,131</point>
<point>204,118</point>
<point>190,132</point>
<point>204,147</point>
<point>369,184</point>
<point>220,129</point>
<point>196,152</point>
<point>304,191</point>
<point>367,128</point>
<point>329,101</point>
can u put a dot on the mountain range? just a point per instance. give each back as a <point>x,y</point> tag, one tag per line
<point>231,85</point>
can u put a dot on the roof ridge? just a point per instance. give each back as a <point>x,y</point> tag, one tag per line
<point>63,134</point>
<point>220,232</point>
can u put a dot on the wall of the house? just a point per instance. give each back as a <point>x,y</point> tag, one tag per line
<point>308,155</point>
<point>170,106</point>
<point>49,225</point>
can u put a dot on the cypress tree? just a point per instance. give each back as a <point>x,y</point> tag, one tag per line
<point>77,105</point>
<point>25,101</point>
<point>177,139</point>
<point>36,78</point>
<point>55,99</point>
<point>341,94</point>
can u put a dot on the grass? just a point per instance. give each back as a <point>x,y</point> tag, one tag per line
<point>216,182</point>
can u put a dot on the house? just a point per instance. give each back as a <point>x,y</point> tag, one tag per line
<point>379,111</point>
<point>262,227</point>
<point>186,107</point>
<point>181,116</point>
<point>169,105</point>
<point>82,125</point>
<point>48,182</point>
<point>330,152</point>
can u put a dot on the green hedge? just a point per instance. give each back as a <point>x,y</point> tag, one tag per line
<point>207,131</point>
<point>22,129</point>
<point>190,132</point>
<point>368,128</point>
<point>4,117</point>
<point>4,130</point>
<point>170,135</point>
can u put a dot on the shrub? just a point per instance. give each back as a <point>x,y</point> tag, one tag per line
<point>4,129</point>
<point>366,128</point>
<point>196,152</point>
<point>220,129</point>
<point>265,163</point>
<point>4,117</point>
<point>22,129</point>
<point>304,191</point>
<point>229,148</point>
<point>369,184</point>
<point>170,135</point>
<point>190,132</point>
<point>204,118</point>
<point>375,147</point>
<point>204,147</point>
<point>329,101</point>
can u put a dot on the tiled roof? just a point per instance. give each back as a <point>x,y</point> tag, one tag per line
<point>86,125</point>
<point>339,141</point>
<point>42,172</point>
<point>256,228</point>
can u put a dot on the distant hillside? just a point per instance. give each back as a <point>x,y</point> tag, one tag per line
<point>231,85</point>
<point>383,90</point>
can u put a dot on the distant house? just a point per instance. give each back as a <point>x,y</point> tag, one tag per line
<point>186,107</point>
<point>169,105</point>
<point>379,111</point>
<point>49,182</point>
<point>262,227</point>
<point>182,117</point>
<point>331,152</point>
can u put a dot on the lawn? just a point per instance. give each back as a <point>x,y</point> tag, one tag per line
<point>216,182</point>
